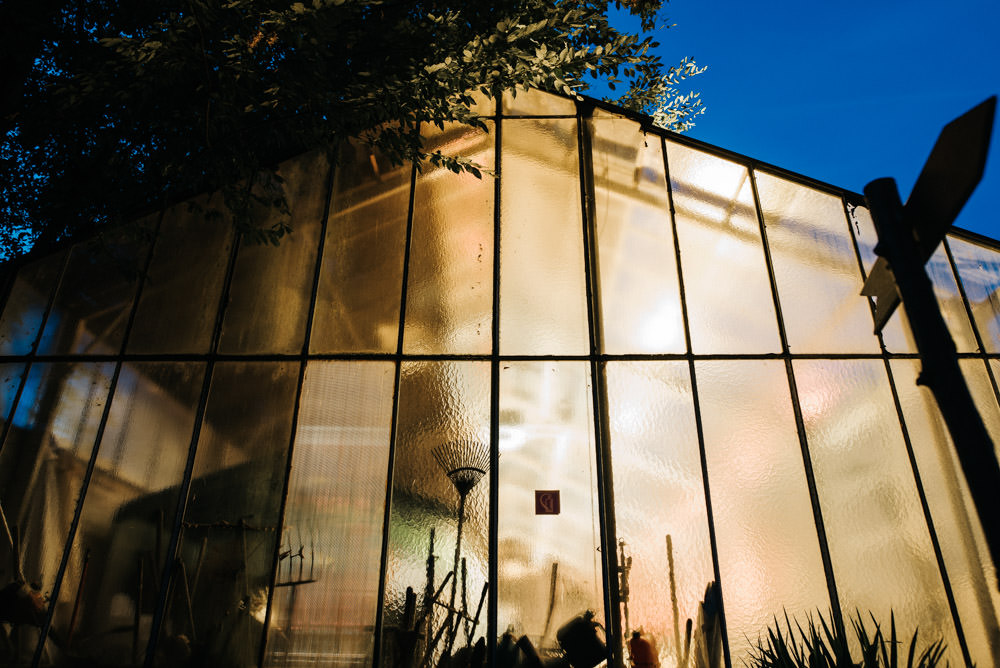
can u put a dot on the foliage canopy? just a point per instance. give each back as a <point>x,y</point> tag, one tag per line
<point>117,107</point>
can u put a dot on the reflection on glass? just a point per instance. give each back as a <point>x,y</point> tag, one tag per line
<point>883,560</point>
<point>640,302</point>
<point>548,564</point>
<point>816,270</point>
<point>271,288</point>
<point>533,102</point>
<point>659,509</point>
<point>323,607</point>
<point>224,565</point>
<point>769,557</point>
<point>963,547</point>
<point>180,294</point>
<point>721,255</point>
<point>450,291</point>
<point>94,300</point>
<point>42,466</point>
<point>107,599</point>
<point>979,269</point>
<point>543,308</point>
<point>439,523</point>
<point>360,283</point>
<point>26,304</point>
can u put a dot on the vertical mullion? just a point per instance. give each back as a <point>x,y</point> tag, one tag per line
<point>303,360</point>
<point>935,543</point>
<point>494,503</point>
<point>696,404</point>
<point>598,387</point>
<point>394,426</point>
<point>800,428</point>
<point>92,462</point>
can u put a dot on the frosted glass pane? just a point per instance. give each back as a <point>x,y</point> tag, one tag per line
<point>729,300</point>
<point>442,448</point>
<point>978,382</point>
<point>659,496</point>
<point>127,516</point>
<point>26,304</point>
<point>180,296</point>
<point>547,444</point>
<point>533,102</point>
<point>979,269</point>
<point>449,298</point>
<point>883,560</point>
<point>94,299</point>
<point>543,307</point>
<point>360,283</point>
<point>760,500</point>
<point>10,380</point>
<point>640,302</point>
<point>966,556</point>
<point>819,283</point>
<point>43,462</point>
<point>225,557</point>
<point>323,609</point>
<point>271,288</point>
<point>896,333</point>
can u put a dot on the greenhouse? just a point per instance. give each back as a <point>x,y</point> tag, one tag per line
<point>620,393</point>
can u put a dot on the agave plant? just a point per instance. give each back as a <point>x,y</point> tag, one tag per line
<point>824,645</point>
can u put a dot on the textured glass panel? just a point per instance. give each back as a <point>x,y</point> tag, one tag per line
<point>769,555</point>
<point>896,333</point>
<point>966,556</point>
<point>272,286</point>
<point>883,560</point>
<point>543,307</point>
<point>43,462</point>
<point>26,304</point>
<point>95,297</point>
<point>180,295</point>
<point>549,565</point>
<point>442,448</point>
<point>979,269</point>
<point>721,255</point>
<point>640,302</point>
<point>659,497</point>
<point>225,559</point>
<point>978,382</point>
<point>118,553</point>
<point>360,282</point>
<point>533,102</point>
<point>323,609</point>
<point>10,380</point>
<point>449,298</point>
<point>816,269</point>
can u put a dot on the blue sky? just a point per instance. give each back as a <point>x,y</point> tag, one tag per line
<point>844,92</point>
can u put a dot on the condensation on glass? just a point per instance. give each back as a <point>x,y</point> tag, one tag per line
<point>815,268</point>
<point>269,297</point>
<point>640,302</point>
<point>758,488</point>
<point>721,255</point>
<point>224,564</point>
<point>883,560</point>
<point>438,553</point>
<point>549,565</point>
<point>449,295</point>
<point>325,592</point>
<point>979,269</point>
<point>543,307</point>
<point>963,546</point>
<point>180,294</point>
<point>11,375</point>
<point>360,283</point>
<point>26,304</point>
<point>109,595</point>
<point>659,510</point>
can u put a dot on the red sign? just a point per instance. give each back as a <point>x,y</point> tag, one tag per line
<point>546,501</point>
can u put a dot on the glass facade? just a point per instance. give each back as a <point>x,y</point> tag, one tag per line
<point>622,384</point>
